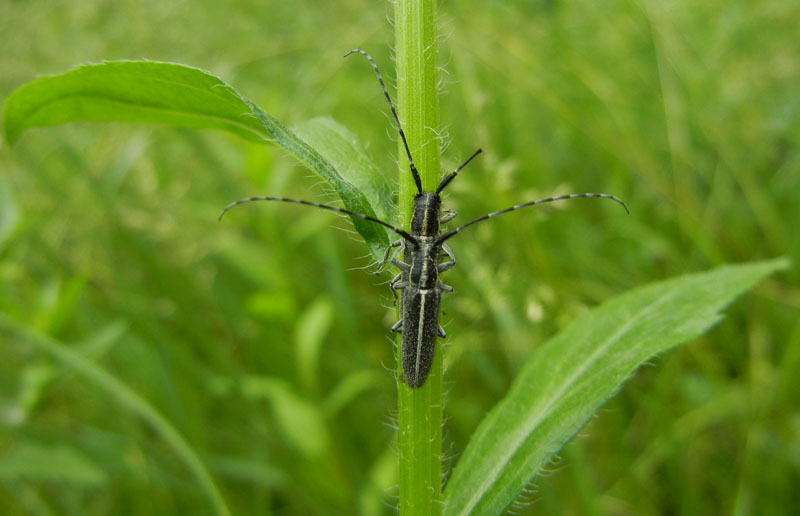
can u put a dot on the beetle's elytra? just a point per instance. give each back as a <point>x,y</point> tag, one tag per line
<point>422,247</point>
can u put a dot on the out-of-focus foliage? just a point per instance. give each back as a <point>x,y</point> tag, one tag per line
<point>263,345</point>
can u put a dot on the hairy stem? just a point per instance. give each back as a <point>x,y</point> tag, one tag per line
<point>420,409</point>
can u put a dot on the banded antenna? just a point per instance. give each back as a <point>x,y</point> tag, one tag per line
<point>403,234</point>
<point>449,234</point>
<point>414,172</point>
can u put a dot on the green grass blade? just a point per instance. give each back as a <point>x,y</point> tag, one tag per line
<point>574,373</point>
<point>38,462</point>
<point>128,399</point>
<point>171,94</point>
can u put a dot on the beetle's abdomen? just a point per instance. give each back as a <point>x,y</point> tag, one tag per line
<point>420,329</point>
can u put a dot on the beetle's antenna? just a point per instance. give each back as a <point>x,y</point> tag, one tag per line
<point>399,231</point>
<point>532,203</point>
<point>414,172</point>
<point>452,175</point>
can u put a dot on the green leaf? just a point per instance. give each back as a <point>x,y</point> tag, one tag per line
<point>127,398</point>
<point>299,420</point>
<point>171,94</point>
<point>342,149</point>
<point>573,374</point>
<point>131,91</point>
<point>312,327</point>
<point>38,462</point>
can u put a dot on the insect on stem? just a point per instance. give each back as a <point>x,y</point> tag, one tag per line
<point>424,248</point>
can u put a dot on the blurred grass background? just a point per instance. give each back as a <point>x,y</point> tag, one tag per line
<point>264,344</point>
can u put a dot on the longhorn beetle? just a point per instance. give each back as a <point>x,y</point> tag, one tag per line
<point>418,279</point>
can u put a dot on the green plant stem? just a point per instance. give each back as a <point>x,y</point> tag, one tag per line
<point>420,409</point>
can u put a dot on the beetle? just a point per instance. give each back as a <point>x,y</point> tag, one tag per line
<point>422,246</point>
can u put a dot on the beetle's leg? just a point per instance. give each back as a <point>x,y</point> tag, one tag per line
<point>447,265</point>
<point>396,284</point>
<point>393,286</point>
<point>447,216</point>
<point>401,246</point>
<point>403,266</point>
<point>396,243</point>
<point>397,326</point>
<point>446,288</point>
<point>442,334</point>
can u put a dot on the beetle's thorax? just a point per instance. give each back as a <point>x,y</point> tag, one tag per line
<point>425,220</point>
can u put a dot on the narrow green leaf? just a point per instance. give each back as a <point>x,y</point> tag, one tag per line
<point>128,399</point>
<point>171,94</point>
<point>343,150</point>
<point>312,327</point>
<point>574,373</point>
<point>30,461</point>
<point>131,91</point>
<point>298,419</point>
